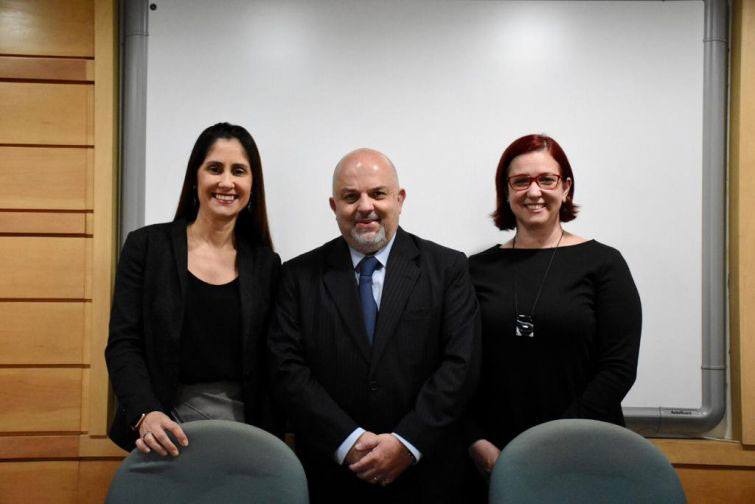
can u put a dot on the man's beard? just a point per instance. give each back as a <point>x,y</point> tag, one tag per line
<point>368,243</point>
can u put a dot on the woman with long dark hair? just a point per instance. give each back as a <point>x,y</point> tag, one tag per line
<point>561,316</point>
<point>192,301</point>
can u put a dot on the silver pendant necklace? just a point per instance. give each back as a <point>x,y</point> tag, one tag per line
<point>524,325</point>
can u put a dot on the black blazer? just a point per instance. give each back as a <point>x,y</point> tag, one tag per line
<point>413,381</point>
<point>142,353</point>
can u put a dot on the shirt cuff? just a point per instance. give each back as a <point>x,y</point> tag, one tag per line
<point>343,450</point>
<point>415,452</point>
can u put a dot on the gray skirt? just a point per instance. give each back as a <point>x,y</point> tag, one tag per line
<point>209,401</point>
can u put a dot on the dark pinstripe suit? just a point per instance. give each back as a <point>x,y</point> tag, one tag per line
<point>413,381</point>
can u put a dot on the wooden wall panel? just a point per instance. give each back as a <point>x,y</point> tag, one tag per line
<point>42,333</point>
<point>58,446</point>
<point>47,103</point>
<point>48,114</point>
<point>94,480</point>
<point>39,482</point>
<point>40,399</point>
<point>96,446</point>
<point>105,246</point>
<point>39,447</point>
<point>47,27</point>
<point>742,220</point>
<point>53,69</point>
<point>706,452</point>
<point>42,223</point>
<point>704,485</point>
<point>42,178</point>
<point>43,267</point>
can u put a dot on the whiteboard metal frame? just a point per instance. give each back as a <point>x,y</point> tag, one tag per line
<point>662,421</point>
<point>649,421</point>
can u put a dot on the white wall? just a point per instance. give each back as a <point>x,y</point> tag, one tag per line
<point>442,88</point>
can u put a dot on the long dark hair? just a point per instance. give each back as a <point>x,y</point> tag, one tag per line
<point>251,224</point>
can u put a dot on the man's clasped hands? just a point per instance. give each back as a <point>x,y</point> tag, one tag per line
<point>378,458</point>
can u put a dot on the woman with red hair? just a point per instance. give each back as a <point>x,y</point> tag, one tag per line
<point>561,316</point>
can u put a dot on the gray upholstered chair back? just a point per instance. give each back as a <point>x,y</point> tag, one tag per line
<point>225,462</point>
<point>583,461</point>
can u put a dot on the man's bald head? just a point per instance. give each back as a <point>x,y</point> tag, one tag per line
<point>362,159</point>
<point>366,199</point>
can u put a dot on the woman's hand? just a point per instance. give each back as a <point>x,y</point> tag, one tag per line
<point>484,454</point>
<point>153,436</point>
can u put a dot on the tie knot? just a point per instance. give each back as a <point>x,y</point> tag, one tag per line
<point>368,265</point>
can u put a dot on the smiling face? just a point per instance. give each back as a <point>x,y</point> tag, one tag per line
<point>366,200</point>
<point>536,207</point>
<point>224,180</point>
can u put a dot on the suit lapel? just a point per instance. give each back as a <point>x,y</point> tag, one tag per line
<point>181,258</point>
<point>246,265</point>
<point>180,252</point>
<point>401,274</point>
<point>341,283</point>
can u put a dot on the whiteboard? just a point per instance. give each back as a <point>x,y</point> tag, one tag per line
<point>442,87</point>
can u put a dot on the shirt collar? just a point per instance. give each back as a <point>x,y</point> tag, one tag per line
<point>381,255</point>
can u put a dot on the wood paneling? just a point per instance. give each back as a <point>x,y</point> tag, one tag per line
<point>42,333</point>
<point>39,447</point>
<point>706,452</point>
<point>742,219</point>
<point>40,399</point>
<point>53,69</point>
<point>705,485</point>
<point>105,224</point>
<point>58,446</point>
<point>42,178</point>
<point>99,447</point>
<point>94,480</point>
<point>38,482</point>
<point>48,114</point>
<point>38,177</point>
<point>42,223</point>
<point>43,267</point>
<point>47,27</point>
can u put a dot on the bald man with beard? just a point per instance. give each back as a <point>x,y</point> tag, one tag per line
<point>375,349</point>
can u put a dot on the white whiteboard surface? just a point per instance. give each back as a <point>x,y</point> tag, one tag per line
<point>442,87</point>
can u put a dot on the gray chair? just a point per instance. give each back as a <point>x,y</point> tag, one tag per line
<point>225,462</point>
<point>583,461</point>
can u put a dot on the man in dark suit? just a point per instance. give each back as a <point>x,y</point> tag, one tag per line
<point>375,349</point>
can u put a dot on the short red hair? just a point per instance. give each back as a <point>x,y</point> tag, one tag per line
<point>503,216</point>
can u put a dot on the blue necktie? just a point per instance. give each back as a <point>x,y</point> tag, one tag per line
<point>369,307</point>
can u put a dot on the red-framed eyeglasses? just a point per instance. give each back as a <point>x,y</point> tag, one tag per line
<point>544,181</point>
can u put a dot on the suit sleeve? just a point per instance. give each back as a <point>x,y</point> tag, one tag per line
<point>443,397</point>
<point>305,400</point>
<point>124,353</point>
<point>619,323</point>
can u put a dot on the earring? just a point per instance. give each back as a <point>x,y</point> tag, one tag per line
<point>195,201</point>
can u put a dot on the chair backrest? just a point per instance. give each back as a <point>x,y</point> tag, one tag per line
<point>225,462</point>
<point>583,461</point>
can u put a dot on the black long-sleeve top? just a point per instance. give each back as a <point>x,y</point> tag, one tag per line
<point>582,360</point>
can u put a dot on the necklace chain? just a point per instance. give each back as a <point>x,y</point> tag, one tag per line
<point>542,282</point>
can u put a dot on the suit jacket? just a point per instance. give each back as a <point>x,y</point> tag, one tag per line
<point>147,316</point>
<point>414,380</point>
